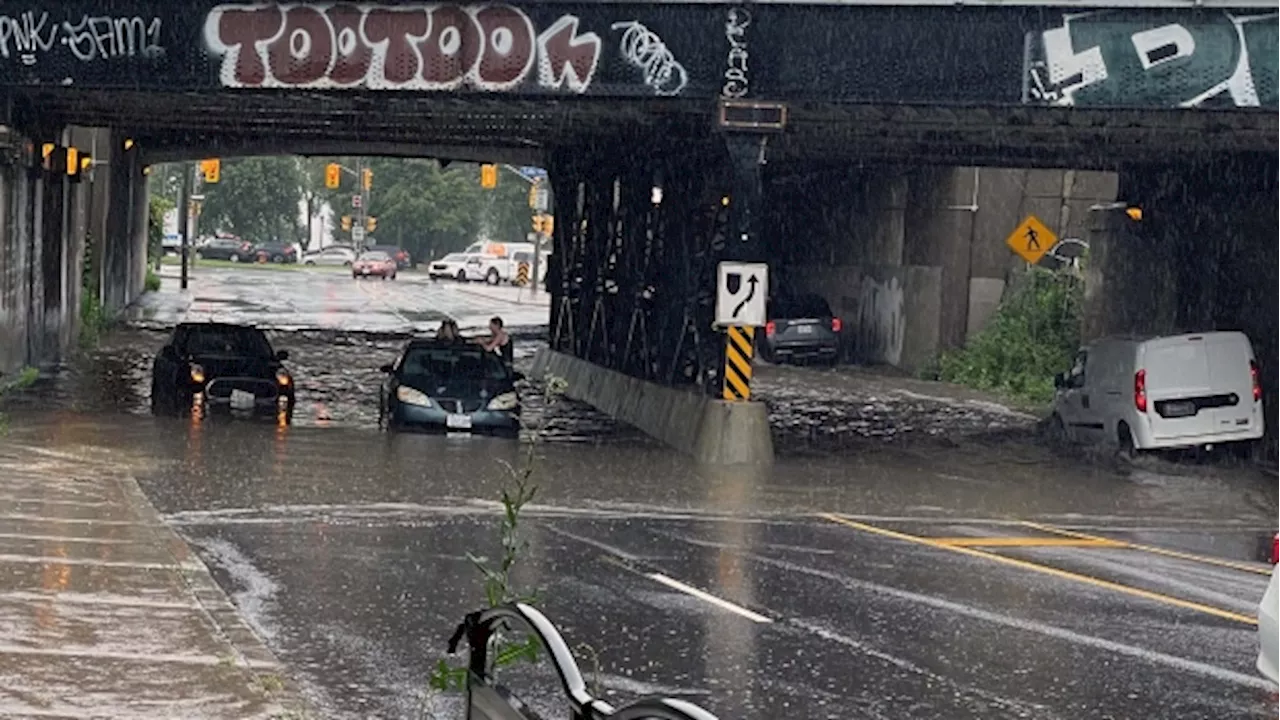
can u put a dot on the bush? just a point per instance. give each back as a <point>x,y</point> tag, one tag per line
<point>1033,335</point>
<point>94,320</point>
<point>152,283</point>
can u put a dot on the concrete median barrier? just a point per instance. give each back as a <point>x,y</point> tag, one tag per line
<point>711,431</point>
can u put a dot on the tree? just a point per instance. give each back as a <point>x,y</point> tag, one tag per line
<point>256,199</point>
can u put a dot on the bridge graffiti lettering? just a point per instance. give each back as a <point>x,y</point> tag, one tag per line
<point>492,48</point>
<point>1155,58</point>
<point>90,37</point>
<point>643,48</point>
<point>735,75</point>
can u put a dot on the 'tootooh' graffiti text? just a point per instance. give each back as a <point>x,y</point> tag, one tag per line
<point>435,47</point>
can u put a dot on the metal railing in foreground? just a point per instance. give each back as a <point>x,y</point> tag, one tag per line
<point>489,700</point>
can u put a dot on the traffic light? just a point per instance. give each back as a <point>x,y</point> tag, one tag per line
<point>73,161</point>
<point>548,224</point>
<point>332,176</point>
<point>537,223</point>
<point>488,176</point>
<point>212,170</point>
<point>346,223</point>
<point>366,177</point>
<point>371,223</point>
<point>533,195</point>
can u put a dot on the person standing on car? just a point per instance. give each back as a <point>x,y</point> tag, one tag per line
<point>498,341</point>
<point>448,331</point>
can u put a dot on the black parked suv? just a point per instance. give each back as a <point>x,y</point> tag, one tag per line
<point>276,252</point>
<point>216,366</point>
<point>231,249</point>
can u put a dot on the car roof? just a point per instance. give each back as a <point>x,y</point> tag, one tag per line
<point>216,326</point>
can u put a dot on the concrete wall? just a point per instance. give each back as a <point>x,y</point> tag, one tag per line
<point>711,431</point>
<point>925,243</point>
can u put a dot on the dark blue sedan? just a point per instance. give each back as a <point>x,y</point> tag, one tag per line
<point>450,387</point>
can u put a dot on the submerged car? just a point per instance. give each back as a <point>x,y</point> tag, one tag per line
<point>217,366</point>
<point>452,387</point>
<point>374,263</point>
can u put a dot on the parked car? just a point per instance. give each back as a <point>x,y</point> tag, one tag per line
<point>453,265</point>
<point>400,254</point>
<point>232,249</point>
<point>1193,390</point>
<point>334,256</point>
<point>800,327</point>
<point>276,252</point>
<point>220,367</point>
<point>171,244</point>
<point>450,386</point>
<point>374,263</point>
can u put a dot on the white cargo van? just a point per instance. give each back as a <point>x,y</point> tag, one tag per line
<point>1194,390</point>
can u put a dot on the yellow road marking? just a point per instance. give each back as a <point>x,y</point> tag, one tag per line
<point>1152,549</point>
<point>1025,542</point>
<point>1047,570</point>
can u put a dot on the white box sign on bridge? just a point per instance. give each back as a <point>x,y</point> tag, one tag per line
<point>741,291</point>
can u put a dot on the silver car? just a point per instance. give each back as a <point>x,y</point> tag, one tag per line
<point>334,256</point>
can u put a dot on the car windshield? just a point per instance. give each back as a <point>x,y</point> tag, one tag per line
<point>374,257</point>
<point>803,306</point>
<point>212,340</point>
<point>440,364</point>
<point>454,257</point>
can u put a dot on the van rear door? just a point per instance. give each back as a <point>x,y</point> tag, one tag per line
<point>1177,374</point>
<point>1229,357</point>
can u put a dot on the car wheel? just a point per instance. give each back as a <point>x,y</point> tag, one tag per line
<point>1124,437</point>
<point>199,255</point>
<point>355,276</point>
<point>462,276</point>
<point>235,257</point>
<point>1056,431</point>
<point>346,263</point>
<point>310,262</point>
<point>491,277</point>
<point>277,259</point>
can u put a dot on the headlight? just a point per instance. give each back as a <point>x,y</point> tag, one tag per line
<point>197,374</point>
<point>505,401</point>
<point>410,396</point>
<point>283,378</point>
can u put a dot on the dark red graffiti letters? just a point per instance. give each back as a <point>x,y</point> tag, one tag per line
<point>565,57</point>
<point>301,54</point>
<point>400,47</point>
<point>451,48</point>
<point>352,56</point>
<point>393,31</point>
<point>508,43</point>
<point>239,32</point>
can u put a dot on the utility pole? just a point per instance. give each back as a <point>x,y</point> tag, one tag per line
<point>364,199</point>
<point>184,219</point>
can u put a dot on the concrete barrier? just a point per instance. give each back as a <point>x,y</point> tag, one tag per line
<point>711,431</point>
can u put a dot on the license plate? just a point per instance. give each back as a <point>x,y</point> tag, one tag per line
<point>241,400</point>
<point>365,271</point>
<point>1179,409</point>
<point>804,329</point>
<point>458,422</point>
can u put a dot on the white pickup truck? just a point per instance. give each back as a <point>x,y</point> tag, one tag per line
<point>505,269</point>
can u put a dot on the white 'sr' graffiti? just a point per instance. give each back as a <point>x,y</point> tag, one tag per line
<point>735,75</point>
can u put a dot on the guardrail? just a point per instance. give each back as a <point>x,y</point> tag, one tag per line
<point>489,700</point>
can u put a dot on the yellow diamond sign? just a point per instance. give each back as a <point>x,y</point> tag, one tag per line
<point>1031,240</point>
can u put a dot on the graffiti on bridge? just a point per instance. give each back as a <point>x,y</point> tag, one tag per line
<point>645,50</point>
<point>31,34</point>
<point>401,47</point>
<point>1156,58</point>
<point>735,74</point>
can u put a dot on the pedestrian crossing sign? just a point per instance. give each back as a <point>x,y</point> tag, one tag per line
<point>1032,239</point>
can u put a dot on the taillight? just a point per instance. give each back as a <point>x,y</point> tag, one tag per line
<point>1257,382</point>
<point>1140,390</point>
<point>1275,549</point>
<point>836,325</point>
<point>770,328</point>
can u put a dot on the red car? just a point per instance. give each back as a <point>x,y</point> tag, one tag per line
<point>374,264</point>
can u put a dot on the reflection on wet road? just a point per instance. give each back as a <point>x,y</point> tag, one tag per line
<point>943,578</point>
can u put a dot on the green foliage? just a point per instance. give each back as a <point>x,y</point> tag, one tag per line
<point>158,205</point>
<point>25,378</point>
<point>256,198</point>
<point>94,320</point>
<point>1033,335</point>
<point>152,283</point>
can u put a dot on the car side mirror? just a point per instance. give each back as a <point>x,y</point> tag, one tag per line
<point>386,369</point>
<point>282,355</point>
<point>1060,380</point>
<point>518,376</point>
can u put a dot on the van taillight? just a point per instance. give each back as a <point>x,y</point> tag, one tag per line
<point>1140,390</point>
<point>770,328</point>
<point>1257,381</point>
<point>836,325</point>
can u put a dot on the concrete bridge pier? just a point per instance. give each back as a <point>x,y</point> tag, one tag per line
<point>51,223</point>
<point>632,283</point>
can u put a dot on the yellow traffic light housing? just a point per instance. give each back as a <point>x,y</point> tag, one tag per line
<point>488,176</point>
<point>332,176</point>
<point>346,223</point>
<point>1134,213</point>
<point>533,195</point>
<point>548,224</point>
<point>371,224</point>
<point>366,178</point>
<point>212,169</point>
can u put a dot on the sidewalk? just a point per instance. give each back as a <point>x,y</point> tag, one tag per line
<point>506,293</point>
<point>104,611</point>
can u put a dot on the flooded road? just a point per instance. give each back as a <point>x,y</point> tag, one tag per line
<point>938,575</point>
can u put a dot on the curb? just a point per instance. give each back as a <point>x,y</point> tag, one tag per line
<point>468,291</point>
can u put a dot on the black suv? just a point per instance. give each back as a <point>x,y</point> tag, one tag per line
<point>232,249</point>
<point>214,366</point>
<point>276,252</point>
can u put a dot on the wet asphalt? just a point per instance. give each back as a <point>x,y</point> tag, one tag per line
<point>909,556</point>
